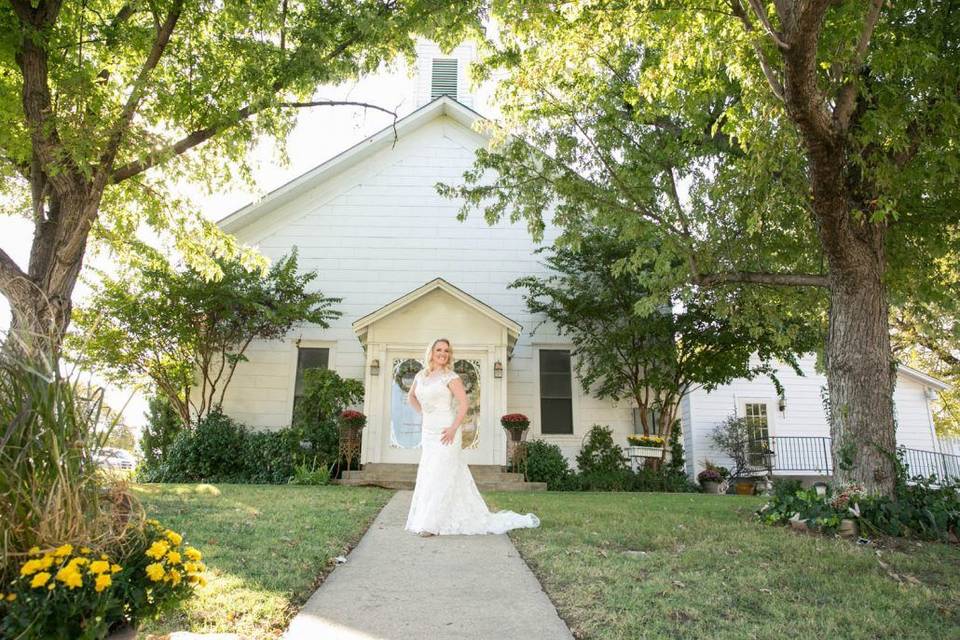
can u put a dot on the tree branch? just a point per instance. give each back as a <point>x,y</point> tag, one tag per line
<point>136,94</point>
<point>846,98</point>
<point>194,138</point>
<point>752,277</point>
<point>761,14</point>
<point>775,84</point>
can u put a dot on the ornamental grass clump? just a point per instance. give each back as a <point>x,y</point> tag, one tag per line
<point>50,487</point>
<point>76,592</point>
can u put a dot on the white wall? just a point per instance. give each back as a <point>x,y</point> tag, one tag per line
<point>804,410</point>
<point>379,231</point>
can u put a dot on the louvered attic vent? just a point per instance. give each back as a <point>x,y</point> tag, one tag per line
<point>444,78</point>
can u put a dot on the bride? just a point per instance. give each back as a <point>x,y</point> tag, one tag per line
<point>445,498</point>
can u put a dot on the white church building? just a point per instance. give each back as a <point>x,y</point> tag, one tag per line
<point>372,225</point>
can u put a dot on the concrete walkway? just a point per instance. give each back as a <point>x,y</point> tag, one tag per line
<point>396,585</point>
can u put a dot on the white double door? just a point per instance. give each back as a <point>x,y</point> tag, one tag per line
<point>400,431</point>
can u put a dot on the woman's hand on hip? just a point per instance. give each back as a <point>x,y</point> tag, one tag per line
<point>447,435</point>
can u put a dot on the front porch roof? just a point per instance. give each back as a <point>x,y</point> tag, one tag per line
<point>513,328</point>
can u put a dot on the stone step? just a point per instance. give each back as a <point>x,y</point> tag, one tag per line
<point>409,484</point>
<point>481,473</point>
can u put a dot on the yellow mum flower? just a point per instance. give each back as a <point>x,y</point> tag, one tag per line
<point>102,583</point>
<point>63,550</point>
<point>189,567</point>
<point>85,550</point>
<point>158,549</point>
<point>70,577</point>
<point>192,553</point>
<point>155,571</point>
<point>34,551</point>
<point>40,579</point>
<point>153,521</point>
<point>99,566</point>
<point>30,567</point>
<point>174,537</point>
<point>173,557</point>
<point>78,561</point>
<point>46,562</point>
<point>103,556</point>
<point>51,586</point>
<point>114,568</point>
<point>202,581</point>
<point>11,597</point>
<point>175,577</point>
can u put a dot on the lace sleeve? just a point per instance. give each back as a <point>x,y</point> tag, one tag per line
<point>450,377</point>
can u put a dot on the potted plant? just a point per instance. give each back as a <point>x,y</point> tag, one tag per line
<point>352,421</point>
<point>713,478</point>
<point>516,424</point>
<point>645,446</point>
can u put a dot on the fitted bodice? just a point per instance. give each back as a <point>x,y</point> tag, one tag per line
<point>433,394</point>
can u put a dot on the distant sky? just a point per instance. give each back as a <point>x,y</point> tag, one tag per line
<point>320,133</point>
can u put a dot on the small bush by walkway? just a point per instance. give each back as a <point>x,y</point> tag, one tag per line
<point>657,565</point>
<point>266,547</point>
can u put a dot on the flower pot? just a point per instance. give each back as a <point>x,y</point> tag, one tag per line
<point>709,486</point>
<point>848,528</point>
<point>516,434</point>
<point>645,452</point>
<point>744,488</point>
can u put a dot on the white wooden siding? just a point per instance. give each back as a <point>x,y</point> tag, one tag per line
<point>804,413</point>
<point>382,231</point>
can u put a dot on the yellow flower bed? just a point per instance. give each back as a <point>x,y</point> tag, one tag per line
<point>79,593</point>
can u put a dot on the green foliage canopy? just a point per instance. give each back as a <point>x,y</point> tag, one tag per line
<point>182,332</point>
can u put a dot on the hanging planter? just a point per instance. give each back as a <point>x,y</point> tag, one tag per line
<point>645,446</point>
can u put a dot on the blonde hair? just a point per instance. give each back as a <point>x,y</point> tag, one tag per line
<point>428,357</point>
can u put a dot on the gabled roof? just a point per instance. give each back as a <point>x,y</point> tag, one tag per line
<point>442,106</point>
<point>922,378</point>
<point>361,325</point>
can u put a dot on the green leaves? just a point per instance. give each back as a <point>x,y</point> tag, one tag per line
<point>179,329</point>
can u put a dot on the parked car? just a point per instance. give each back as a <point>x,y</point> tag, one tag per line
<point>113,458</point>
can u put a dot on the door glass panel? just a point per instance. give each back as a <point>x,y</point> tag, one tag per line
<point>405,421</point>
<point>759,433</point>
<point>469,372</point>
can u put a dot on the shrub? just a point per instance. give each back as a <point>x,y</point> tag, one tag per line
<point>600,454</point>
<point>665,479</point>
<point>310,474</point>
<point>607,480</point>
<point>75,592</point>
<point>732,437</point>
<point>163,425</point>
<point>924,508</point>
<point>546,463</point>
<point>220,449</point>
<point>317,413</point>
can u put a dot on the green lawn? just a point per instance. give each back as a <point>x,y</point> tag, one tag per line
<point>647,565</point>
<point>266,548</point>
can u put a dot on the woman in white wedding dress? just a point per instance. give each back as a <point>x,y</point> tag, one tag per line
<point>445,498</point>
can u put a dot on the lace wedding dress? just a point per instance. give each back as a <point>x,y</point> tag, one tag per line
<point>445,498</point>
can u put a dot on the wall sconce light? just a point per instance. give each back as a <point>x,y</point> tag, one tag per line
<point>375,367</point>
<point>497,369</point>
<point>782,404</point>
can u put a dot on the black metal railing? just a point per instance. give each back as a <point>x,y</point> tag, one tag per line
<point>781,454</point>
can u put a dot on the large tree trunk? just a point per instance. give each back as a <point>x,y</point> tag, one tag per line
<point>860,369</point>
<point>42,303</point>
